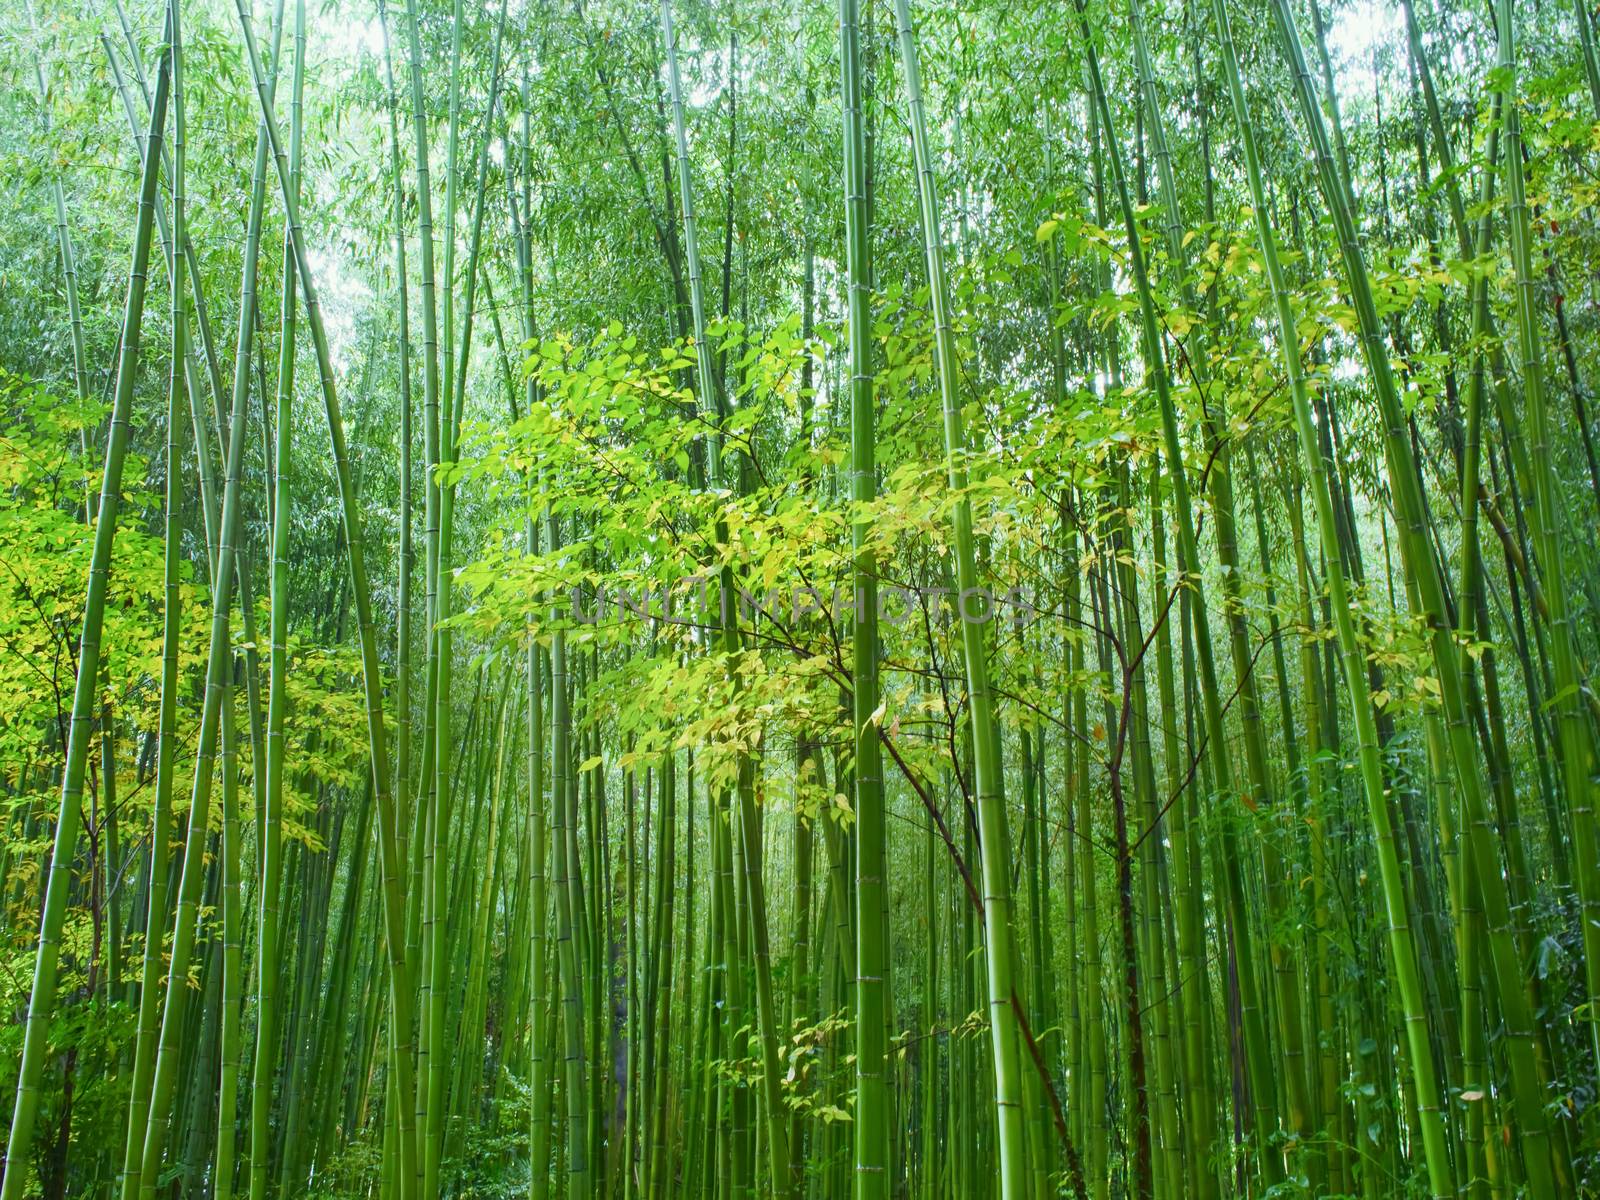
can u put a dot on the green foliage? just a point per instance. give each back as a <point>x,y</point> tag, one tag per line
<point>1153,862</point>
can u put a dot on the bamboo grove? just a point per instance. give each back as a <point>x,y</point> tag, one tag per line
<point>717,598</point>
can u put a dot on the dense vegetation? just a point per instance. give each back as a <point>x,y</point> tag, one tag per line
<point>748,600</point>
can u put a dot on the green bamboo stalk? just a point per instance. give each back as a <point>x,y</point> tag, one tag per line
<point>1297,1106</point>
<point>1258,1063</point>
<point>999,947</point>
<point>156,912</point>
<point>1447,167</point>
<point>69,262</point>
<point>721,930</point>
<point>450,418</point>
<point>270,850</point>
<point>419,943</point>
<point>752,890</point>
<point>41,1001</point>
<point>207,353</point>
<point>403,598</point>
<point>219,669</point>
<point>1131,741</point>
<point>665,918</point>
<point>588,846</point>
<point>1573,732</point>
<point>1591,66</point>
<point>1477,1156</point>
<point>872,1111</point>
<point>1087,1053</point>
<point>1548,1176</point>
<point>394,906</point>
<point>112,861</point>
<point>1199,1106</point>
<point>540,1075</point>
<point>575,1082</point>
<point>431,1098</point>
<point>1401,942</point>
<point>232,960</point>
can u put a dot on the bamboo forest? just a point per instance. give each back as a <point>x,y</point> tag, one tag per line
<point>757,600</point>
